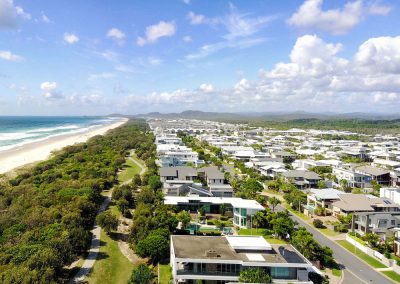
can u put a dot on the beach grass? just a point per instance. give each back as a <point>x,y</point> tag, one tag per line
<point>111,265</point>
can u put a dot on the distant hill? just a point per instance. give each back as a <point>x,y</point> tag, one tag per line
<point>268,116</point>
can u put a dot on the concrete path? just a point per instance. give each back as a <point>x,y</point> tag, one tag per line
<point>94,246</point>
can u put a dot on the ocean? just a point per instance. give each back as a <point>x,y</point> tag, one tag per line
<point>20,130</point>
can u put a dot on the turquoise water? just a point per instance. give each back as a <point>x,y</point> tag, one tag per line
<point>17,130</point>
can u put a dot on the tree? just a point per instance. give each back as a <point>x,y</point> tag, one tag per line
<point>154,182</point>
<point>345,185</point>
<point>107,221</point>
<point>155,246</point>
<point>372,239</point>
<point>254,275</point>
<point>250,188</point>
<point>321,184</point>
<point>184,217</point>
<point>318,223</point>
<point>273,201</point>
<point>137,181</point>
<point>283,226</point>
<point>141,274</point>
<point>296,198</point>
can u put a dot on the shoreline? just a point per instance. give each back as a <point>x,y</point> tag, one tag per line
<point>42,150</point>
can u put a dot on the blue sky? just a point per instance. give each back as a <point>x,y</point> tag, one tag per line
<point>99,57</point>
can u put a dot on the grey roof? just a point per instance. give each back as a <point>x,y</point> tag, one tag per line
<point>178,172</point>
<point>283,154</point>
<point>301,173</point>
<point>212,172</point>
<point>362,202</point>
<point>373,171</point>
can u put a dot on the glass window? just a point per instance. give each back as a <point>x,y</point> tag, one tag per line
<point>243,211</point>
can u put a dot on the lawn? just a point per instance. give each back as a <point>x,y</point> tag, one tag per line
<point>165,273</point>
<point>297,213</point>
<point>358,240</point>
<point>392,275</point>
<point>130,169</point>
<point>337,272</point>
<point>111,265</point>
<point>328,232</point>
<point>262,232</point>
<point>368,259</point>
<point>254,232</point>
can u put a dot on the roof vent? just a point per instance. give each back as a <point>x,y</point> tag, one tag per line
<point>212,253</point>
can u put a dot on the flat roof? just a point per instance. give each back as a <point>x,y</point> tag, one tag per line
<point>234,201</point>
<point>248,243</point>
<point>196,247</point>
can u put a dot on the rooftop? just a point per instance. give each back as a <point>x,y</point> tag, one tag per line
<point>234,201</point>
<point>235,248</point>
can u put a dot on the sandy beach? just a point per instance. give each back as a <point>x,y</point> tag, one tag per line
<point>41,150</point>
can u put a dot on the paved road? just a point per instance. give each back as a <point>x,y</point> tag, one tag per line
<point>356,270</point>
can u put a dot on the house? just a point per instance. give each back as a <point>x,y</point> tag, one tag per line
<point>360,203</point>
<point>392,193</point>
<point>220,259</point>
<point>322,198</point>
<point>272,169</point>
<point>353,178</point>
<point>381,176</point>
<point>375,222</point>
<point>215,180</point>
<point>177,174</point>
<point>243,209</point>
<point>302,178</point>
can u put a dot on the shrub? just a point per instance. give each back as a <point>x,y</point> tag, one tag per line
<point>318,223</point>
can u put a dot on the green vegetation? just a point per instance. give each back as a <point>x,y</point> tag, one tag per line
<point>111,265</point>
<point>130,169</point>
<point>107,221</point>
<point>357,125</point>
<point>141,274</point>
<point>254,275</point>
<point>337,272</point>
<point>165,273</point>
<point>392,275</point>
<point>48,210</point>
<point>368,259</point>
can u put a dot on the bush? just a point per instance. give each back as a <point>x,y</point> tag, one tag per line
<point>318,223</point>
<point>341,228</point>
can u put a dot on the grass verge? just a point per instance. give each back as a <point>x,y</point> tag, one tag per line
<point>111,265</point>
<point>392,275</point>
<point>368,259</point>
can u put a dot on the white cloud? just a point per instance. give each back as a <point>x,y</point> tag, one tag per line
<point>196,19</point>
<point>154,32</point>
<point>240,31</point>
<point>44,18</point>
<point>97,76</point>
<point>310,15</point>
<point>20,12</point>
<point>117,35</point>
<point>9,14</point>
<point>207,88</point>
<point>49,90</point>
<point>154,61</point>
<point>187,39</point>
<point>71,38</point>
<point>187,2</point>
<point>7,55</point>
<point>315,77</point>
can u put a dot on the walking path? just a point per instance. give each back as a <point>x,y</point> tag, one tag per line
<point>94,246</point>
<point>96,232</point>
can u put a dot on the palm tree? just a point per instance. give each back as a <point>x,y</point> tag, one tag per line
<point>273,201</point>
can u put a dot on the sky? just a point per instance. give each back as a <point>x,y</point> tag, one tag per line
<point>73,57</point>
